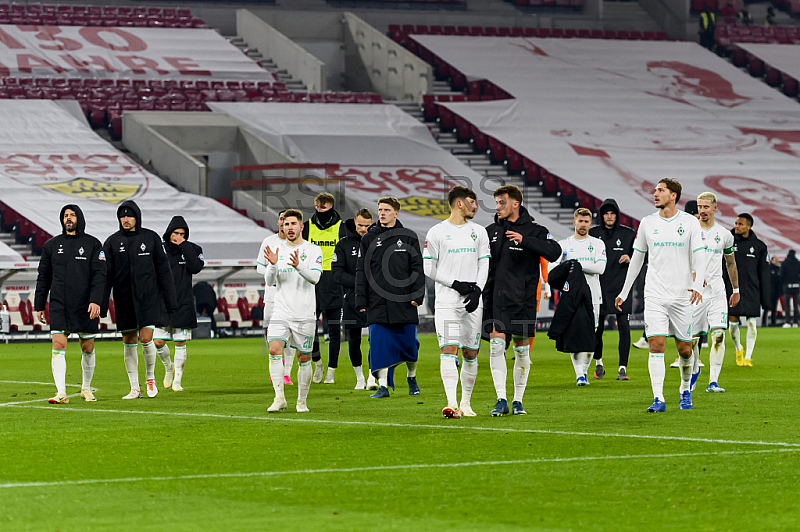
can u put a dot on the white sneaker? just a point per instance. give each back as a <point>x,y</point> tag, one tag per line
<point>787,325</point>
<point>329,376</point>
<point>317,378</point>
<point>676,364</point>
<point>277,405</point>
<point>794,325</point>
<point>360,385</point>
<point>152,391</point>
<point>641,343</point>
<point>176,387</point>
<point>467,411</point>
<point>301,407</point>
<point>372,383</point>
<point>135,394</point>
<point>87,395</point>
<point>168,378</point>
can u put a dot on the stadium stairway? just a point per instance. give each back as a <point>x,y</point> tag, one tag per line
<point>11,241</point>
<point>294,85</point>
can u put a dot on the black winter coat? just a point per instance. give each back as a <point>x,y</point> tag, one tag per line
<point>343,271</point>
<point>73,270</point>
<point>619,241</point>
<point>329,293</point>
<point>511,291</point>
<point>185,260</point>
<point>139,274</point>
<point>789,272</point>
<point>573,322</point>
<point>752,262</point>
<point>389,275</point>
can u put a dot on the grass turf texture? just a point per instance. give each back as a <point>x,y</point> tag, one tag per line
<point>211,457</point>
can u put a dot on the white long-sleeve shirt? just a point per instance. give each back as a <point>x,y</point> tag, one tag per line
<point>295,298</point>
<point>590,252</point>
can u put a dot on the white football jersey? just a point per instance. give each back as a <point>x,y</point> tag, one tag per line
<point>673,245</point>
<point>591,253</point>
<point>719,242</point>
<point>457,250</point>
<point>273,241</point>
<point>296,299</point>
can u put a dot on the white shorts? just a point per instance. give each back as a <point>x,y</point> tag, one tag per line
<point>297,334</point>
<point>172,333</point>
<point>670,317</point>
<point>456,326</point>
<point>269,304</point>
<point>711,314</point>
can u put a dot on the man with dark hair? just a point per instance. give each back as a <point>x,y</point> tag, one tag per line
<point>390,285</point>
<point>456,258</point>
<point>517,243</point>
<point>325,229</point>
<point>72,269</point>
<point>185,260</point>
<point>618,240</point>
<point>139,274</point>
<point>752,262</point>
<point>343,271</point>
<point>789,280</point>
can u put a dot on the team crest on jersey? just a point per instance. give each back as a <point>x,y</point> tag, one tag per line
<point>473,235</point>
<point>143,246</point>
<point>680,230</point>
<point>102,255</point>
<point>399,243</point>
<point>717,239</point>
<point>590,248</point>
<point>752,250</point>
<point>303,256</point>
<point>80,251</point>
<point>619,242</point>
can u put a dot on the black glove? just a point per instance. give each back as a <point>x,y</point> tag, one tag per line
<point>462,287</point>
<point>473,299</point>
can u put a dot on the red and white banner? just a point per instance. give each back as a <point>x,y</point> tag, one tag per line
<point>381,150</point>
<point>111,52</point>
<point>48,158</point>
<point>614,117</point>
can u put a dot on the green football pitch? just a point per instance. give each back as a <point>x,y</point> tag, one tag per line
<point>211,458</point>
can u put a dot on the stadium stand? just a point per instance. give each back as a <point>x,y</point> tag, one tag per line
<point>401,4</point>
<point>777,63</point>
<point>35,14</point>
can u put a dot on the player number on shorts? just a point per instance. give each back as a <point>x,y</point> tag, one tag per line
<point>307,343</point>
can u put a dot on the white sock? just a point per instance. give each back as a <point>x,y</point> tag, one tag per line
<point>87,365</point>
<point>180,363</point>
<point>695,355</point>
<point>359,371</point>
<point>276,373</point>
<point>587,361</point>
<point>132,364</point>
<point>716,356</point>
<point>577,364</point>
<point>752,334</point>
<point>497,364</point>
<point>411,369</point>
<point>288,361</point>
<point>163,354</point>
<point>449,371</point>
<point>685,366</point>
<point>383,377</point>
<point>733,327</point>
<point>597,362</point>
<point>522,366</point>
<point>149,354</point>
<point>623,367</point>
<point>657,373</point>
<point>304,374</point>
<point>469,372</point>
<point>58,361</point>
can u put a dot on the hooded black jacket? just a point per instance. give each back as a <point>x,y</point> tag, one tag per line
<point>790,272</point>
<point>752,264</point>
<point>343,271</point>
<point>511,292</point>
<point>389,275</point>
<point>329,294</point>
<point>139,274</point>
<point>619,241</point>
<point>73,270</point>
<point>185,260</point>
<point>573,322</point>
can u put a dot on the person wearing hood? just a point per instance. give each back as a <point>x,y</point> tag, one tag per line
<point>752,262</point>
<point>618,240</point>
<point>343,271</point>
<point>325,229</point>
<point>511,294</point>
<point>72,269</point>
<point>185,260</point>
<point>790,282</point>
<point>140,276</point>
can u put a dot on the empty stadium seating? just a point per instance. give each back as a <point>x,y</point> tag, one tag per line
<point>400,4</point>
<point>757,67</point>
<point>35,14</point>
<point>24,231</point>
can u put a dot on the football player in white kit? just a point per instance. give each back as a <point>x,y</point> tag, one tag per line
<point>674,241</point>
<point>295,266</point>
<point>273,241</point>
<point>456,256</point>
<point>590,252</point>
<point>711,316</point>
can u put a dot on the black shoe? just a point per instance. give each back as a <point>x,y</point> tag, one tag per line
<point>623,375</point>
<point>599,372</point>
<point>413,387</point>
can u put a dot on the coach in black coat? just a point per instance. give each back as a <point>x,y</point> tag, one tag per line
<point>573,322</point>
<point>753,265</point>
<point>511,292</point>
<point>343,271</point>
<point>72,270</point>
<point>139,274</point>
<point>619,243</point>
<point>185,260</point>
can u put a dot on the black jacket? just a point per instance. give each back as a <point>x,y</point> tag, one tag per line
<point>389,275</point>
<point>343,272</point>
<point>73,270</point>
<point>329,294</point>
<point>573,322</point>
<point>775,285</point>
<point>511,292</point>
<point>790,272</point>
<point>185,260</point>
<point>139,274</point>
<point>753,266</point>
<point>619,241</point>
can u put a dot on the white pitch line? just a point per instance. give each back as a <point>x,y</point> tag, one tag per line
<point>379,468</point>
<point>283,419</point>
<point>14,403</point>
<point>35,382</point>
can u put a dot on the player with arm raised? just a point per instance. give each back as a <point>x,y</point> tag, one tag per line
<point>674,241</point>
